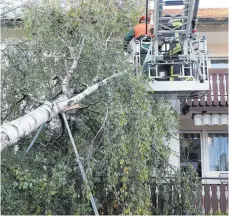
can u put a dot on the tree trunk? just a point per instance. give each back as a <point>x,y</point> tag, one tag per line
<point>13,131</point>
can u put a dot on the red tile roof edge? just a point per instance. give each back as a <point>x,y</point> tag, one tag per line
<point>213,13</point>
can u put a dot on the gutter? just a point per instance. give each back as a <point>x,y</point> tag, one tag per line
<point>214,21</point>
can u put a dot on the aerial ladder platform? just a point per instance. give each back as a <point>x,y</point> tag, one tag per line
<point>192,61</point>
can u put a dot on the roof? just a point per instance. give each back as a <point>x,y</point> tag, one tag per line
<point>216,98</point>
<point>206,13</point>
<point>213,13</point>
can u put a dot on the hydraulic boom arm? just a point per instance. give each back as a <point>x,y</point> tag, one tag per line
<point>176,59</point>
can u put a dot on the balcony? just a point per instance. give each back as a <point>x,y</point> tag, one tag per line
<point>213,198</point>
<point>216,98</point>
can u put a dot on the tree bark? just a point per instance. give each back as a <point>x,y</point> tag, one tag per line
<point>13,131</point>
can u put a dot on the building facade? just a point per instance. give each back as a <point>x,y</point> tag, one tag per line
<point>204,121</point>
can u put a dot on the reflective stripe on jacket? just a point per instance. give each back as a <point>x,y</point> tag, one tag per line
<point>175,47</point>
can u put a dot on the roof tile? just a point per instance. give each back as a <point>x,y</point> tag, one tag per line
<point>214,13</point>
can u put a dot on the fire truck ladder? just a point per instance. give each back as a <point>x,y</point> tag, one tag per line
<point>192,61</point>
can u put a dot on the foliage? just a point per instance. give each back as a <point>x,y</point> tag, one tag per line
<point>121,131</point>
<point>180,195</point>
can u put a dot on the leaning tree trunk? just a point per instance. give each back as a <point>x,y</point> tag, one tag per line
<point>13,131</point>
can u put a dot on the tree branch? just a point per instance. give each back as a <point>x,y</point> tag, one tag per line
<point>13,131</point>
<point>69,72</point>
<point>108,39</point>
<point>105,119</point>
<point>36,100</point>
<point>13,106</point>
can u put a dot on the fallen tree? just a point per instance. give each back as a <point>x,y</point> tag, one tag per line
<point>13,131</point>
<point>119,131</point>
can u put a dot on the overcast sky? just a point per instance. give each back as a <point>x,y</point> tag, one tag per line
<point>203,3</point>
<point>214,3</point>
<point>15,3</point>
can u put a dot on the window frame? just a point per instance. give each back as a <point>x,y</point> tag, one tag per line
<point>217,58</point>
<point>205,153</point>
<point>207,171</point>
<point>201,143</point>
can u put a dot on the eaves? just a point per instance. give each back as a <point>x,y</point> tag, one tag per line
<point>212,21</point>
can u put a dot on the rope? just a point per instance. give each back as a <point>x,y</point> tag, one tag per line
<point>80,164</point>
<point>34,139</point>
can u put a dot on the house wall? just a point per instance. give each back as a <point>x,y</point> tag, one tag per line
<point>174,158</point>
<point>217,38</point>
<point>218,50</point>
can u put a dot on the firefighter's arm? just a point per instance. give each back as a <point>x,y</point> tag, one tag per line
<point>128,37</point>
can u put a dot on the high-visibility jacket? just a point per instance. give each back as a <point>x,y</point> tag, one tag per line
<point>137,32</point>
<point>175,47</point>
<point>140,30</point>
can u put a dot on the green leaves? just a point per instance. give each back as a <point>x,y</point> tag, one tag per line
<point>121,163</point>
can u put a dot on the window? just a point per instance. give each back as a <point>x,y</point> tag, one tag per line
<point>190,151</point>
<point>207,152</point>
<point>219,63</point>
<point>218,151</point>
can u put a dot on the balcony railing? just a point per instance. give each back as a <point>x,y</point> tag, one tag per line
<point>218,87</point>
<point>215,196</point>
<point>217,96</point>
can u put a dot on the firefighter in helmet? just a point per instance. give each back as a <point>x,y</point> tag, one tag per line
<point>175,48</point>
<point>139,32</point>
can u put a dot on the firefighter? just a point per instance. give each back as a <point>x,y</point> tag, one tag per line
<point>175,49</point>
<point>138,32</point>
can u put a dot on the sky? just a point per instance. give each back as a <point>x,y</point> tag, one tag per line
<point>214,4</point>
<point>203,3</point>
<point>16,3</point>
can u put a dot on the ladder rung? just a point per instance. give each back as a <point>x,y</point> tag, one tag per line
<point>168,18</point>
<point>170,31</point>
<point>173,3</point>
<point>161,58</point>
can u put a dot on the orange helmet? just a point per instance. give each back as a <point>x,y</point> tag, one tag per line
<point>143,17</point>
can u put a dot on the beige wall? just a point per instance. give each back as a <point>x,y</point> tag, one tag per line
<point>212,28</point>
<point>217,39</point>
<point>218,50</point>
